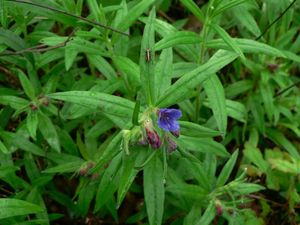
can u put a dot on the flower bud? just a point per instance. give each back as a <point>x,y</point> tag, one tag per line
<point>153,138</point>
<point>143,142</point>
<point>171,145</point>
<point>219,210</point>
<point>175,133</point>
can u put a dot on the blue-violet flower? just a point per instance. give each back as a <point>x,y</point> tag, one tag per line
<point>167,119</point>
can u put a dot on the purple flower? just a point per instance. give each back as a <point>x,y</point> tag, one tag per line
<point>167,119</point>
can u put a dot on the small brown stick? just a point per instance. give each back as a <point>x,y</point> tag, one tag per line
<point>40,48</point>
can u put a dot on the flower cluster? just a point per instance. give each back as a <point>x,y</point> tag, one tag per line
<point>167,120</point>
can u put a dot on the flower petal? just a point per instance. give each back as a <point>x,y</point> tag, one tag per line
<point>163,124</point>
<point>174,113</point>
<point>174,126</point>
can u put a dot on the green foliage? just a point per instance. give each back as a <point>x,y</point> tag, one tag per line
<point>82,84</point>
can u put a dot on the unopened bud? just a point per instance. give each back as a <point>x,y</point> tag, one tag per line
<point>33,107</point>
<point>219,209</point>
<point>153,138</point>
<point>175,133</point>
<point>143,142</point>
<point>171,145</point>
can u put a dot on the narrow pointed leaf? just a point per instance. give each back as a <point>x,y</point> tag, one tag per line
<point>178,38</point>
<point>216,97</point>
<point>227,169</point>
<point>110,104</point>
<point>48,131</point>
<point>182,87</point>
<point>147,58</point>
<point>14,207</point>
<point>154,190</point>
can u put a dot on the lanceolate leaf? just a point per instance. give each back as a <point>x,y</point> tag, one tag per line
<point>195,130</point>
<point>208,215</point>
<point>216,97</point>
<point>14,102</point>
<point>100,102</point>
<point>147,64</point>
<point>15,207</point>
<point>128,173</point>
<point>178,38</point>
<point>154,190</point>
<point>192,6</point>
<point>134,13</point>
<point>21,142</point>
<point>247,46</point>
<point>180,90</point>
<point>227,39</point>
<point>32,123</point>
<point>227,169</point>
<point>27,86</point>
<point>48,130</point>
<point>280,139</point>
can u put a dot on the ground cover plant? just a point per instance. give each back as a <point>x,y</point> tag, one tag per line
<point>149,112</point>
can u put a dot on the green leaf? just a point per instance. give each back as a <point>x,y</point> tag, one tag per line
<point>228,40</point>
<point>12,40</point>
<point>236,110</point>
<point>281,140</point>
<point>227,169</point>
<point>134,13</point>
<point>21,142</point>
<point>182,87</point>
<point>103,66</point>
<point>15,207</point>
<point>195,130</point>
<point>3,14</point>
<point>178,38</point>
<point>227,5</point>
<point>286,166</point>
<point>164,71</point>
<point>246,19</point>
<point>32,123</point>
<point>208,215</point>
<point>192,6</point>
<point>247,46</point>
<point>3,148</point>
<point>105,103</point>
<point>130,69</point>
<point>147,66</point>
<point>189,191</point>
<point>67,167</point>
<point>255,156</point>
<point>238,87</point>
<point>88,47</point>
<point>14,102</point>
<point>109,152</point>
<point>135,115</point>
<point>48,131</point>
<point>202,145</point>
<point>70,56</point>
<point>247,188</point>
<point>128,173</point>
<point>154,190</point>
<point>107,184</point>
<point>216,97</point>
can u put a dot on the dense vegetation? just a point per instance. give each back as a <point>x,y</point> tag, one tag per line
<point>149,112</point>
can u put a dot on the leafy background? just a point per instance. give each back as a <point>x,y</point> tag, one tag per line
<point>77,86</point>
